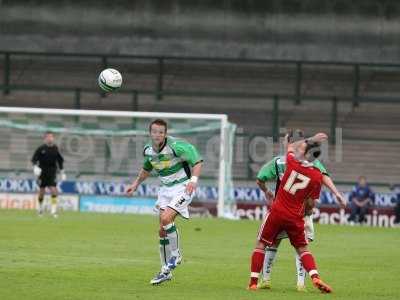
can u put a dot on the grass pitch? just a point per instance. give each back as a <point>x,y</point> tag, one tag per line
<point>104,256</point>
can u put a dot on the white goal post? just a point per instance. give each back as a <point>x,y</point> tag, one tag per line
<point>19,127</point>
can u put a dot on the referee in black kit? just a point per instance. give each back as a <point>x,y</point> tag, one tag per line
<point>45,161</point>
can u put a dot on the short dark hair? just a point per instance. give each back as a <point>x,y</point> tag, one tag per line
<point>160,122</point>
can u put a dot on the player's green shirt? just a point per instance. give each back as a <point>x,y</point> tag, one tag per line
<point>172,164</point>
<point>275,168</point>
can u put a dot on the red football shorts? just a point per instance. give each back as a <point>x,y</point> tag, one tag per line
<point>276,222</point>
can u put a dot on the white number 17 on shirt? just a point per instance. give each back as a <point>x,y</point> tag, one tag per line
<point>292,187</point>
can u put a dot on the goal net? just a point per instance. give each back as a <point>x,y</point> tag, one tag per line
<point>108,145</point>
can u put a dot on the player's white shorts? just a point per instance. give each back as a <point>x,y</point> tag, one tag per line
<point>175,198</point>
<point>308,229</point>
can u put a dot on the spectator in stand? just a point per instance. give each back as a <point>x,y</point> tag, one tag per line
<point>361,199</point>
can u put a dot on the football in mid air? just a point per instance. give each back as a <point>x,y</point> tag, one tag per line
<point>110,80</point>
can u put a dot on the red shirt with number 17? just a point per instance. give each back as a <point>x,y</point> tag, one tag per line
<point>300,182</point>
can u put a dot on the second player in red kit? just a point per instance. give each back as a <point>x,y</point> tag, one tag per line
<point>300,183</point>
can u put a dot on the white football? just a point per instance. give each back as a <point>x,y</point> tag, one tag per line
<point>110,80</point>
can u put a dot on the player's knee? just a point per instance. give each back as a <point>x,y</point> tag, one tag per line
<point>260,245</point>
<point>301,249</point>
<point>165,219</point>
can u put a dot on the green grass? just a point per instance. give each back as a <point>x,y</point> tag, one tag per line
<point>104,256</point>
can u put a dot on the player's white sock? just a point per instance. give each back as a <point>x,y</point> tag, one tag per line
<point>53,205</point>
<point>270,254</point>
<point>165,252</point>
<point>301,272</point>
<point>173,237</point>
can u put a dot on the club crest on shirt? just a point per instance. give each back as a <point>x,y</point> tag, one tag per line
<point>159,165</point>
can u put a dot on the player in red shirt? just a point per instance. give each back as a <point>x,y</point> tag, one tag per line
<point>301,183</point>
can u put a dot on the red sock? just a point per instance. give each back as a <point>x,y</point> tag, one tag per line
<point>257,261</point>
<point>309,264</point>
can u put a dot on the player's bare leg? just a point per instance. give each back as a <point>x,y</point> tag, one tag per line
<point>40,200</point>
<point>257,261</point>
<point>54,192</point>
<point>167,218</point>
<point>308,263</point>
<point>270,255</point>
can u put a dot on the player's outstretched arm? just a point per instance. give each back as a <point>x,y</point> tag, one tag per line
<point>143,174</point>
<point>328,182</point>
<point>192,185</point>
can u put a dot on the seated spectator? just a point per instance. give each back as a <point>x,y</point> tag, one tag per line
<point>361,199</point>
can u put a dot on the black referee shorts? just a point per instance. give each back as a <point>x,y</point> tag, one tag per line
<point>47,178</point>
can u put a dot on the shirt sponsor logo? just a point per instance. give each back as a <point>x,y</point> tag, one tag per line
<point>160,165</point>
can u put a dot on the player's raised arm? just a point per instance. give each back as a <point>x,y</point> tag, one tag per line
<point>300,147</point>
<point>318,138</point>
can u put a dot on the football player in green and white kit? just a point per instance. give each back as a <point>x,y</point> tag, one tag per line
<point>178,166</point>
<point>273,171</point>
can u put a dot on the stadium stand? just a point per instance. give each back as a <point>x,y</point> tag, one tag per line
<point>243,83</point>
